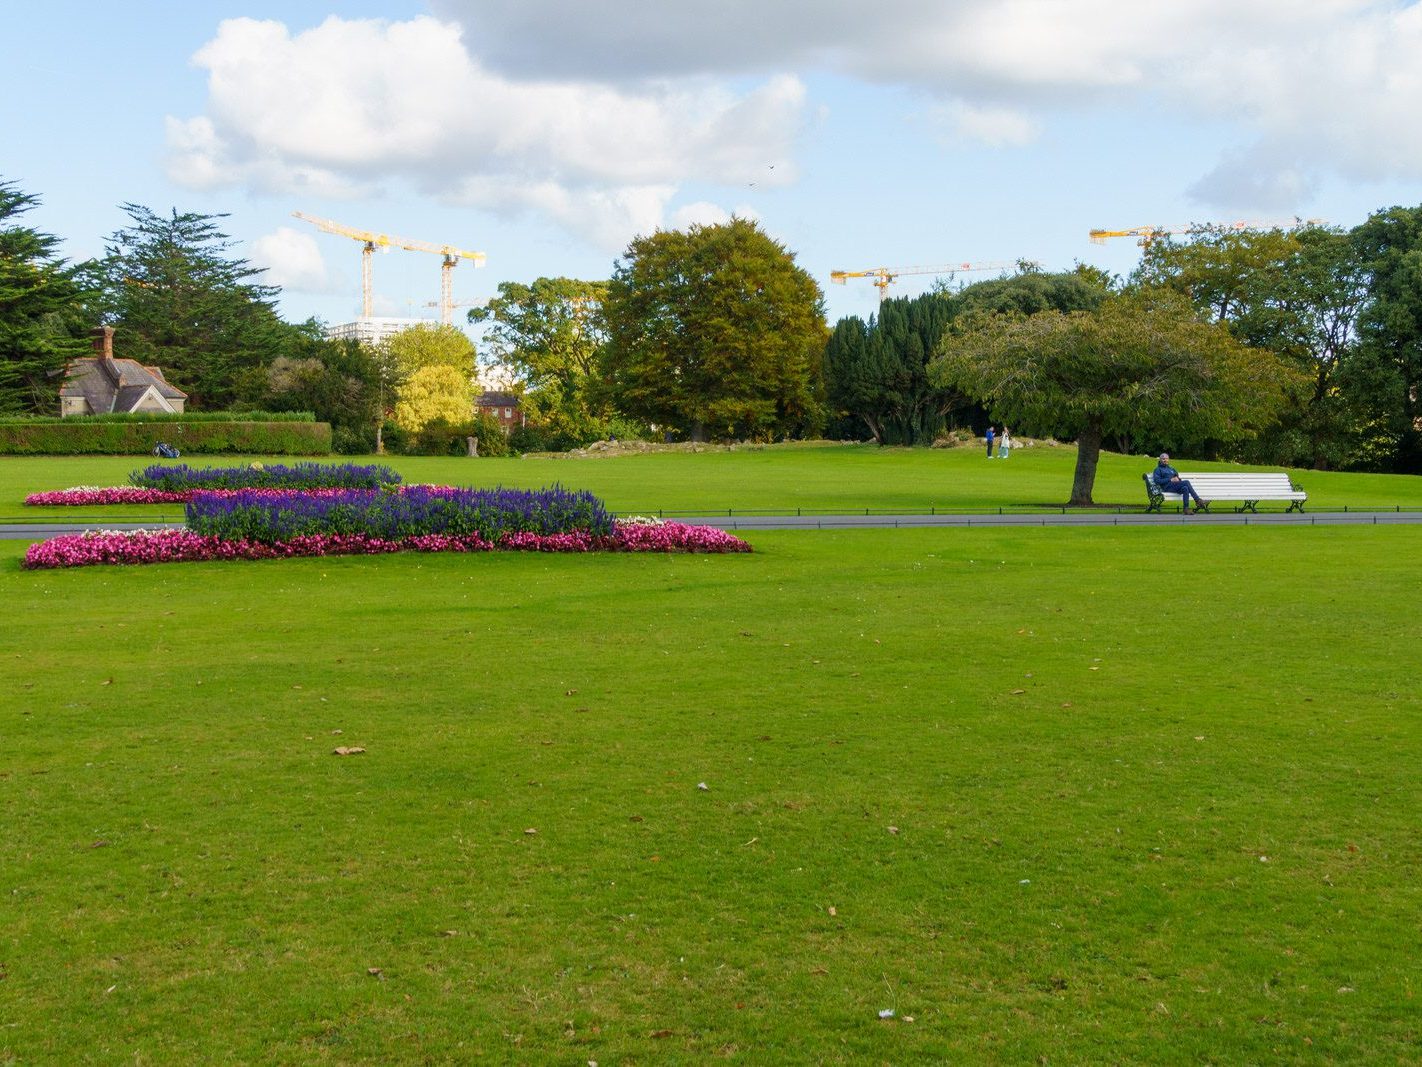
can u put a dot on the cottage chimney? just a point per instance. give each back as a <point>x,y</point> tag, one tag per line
<point>104,342</point>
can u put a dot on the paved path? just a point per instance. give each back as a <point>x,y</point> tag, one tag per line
<point>747,523</point>
<point>1072,518</point>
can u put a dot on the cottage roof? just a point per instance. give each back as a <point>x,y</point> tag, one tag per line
<point>498,400</point>
<point>109,385</point>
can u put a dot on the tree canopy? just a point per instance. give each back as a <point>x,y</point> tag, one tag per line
<point>434,373</point>
<point>1296,293</point>
<point>1387,376</point>
<point>39,331</point>
<point>551,336</point>
<point>879,372</point>
<point>715,331</point>
<point>1140,363</point>
<point>180,300</point>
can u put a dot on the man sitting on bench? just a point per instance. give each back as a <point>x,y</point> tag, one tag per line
<point>1167,479</point>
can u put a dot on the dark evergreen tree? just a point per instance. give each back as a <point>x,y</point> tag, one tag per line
<point>180,300</point>
<point>40,329</point>
<point>879,372</point>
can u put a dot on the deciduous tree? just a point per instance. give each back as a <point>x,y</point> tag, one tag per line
<point>1387,377</point>
<point>1140,363</point>
<point>715,331</point>
<point>551,336</point>
<point>434,371</point>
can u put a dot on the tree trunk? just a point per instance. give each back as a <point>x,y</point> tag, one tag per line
<point>874,428</point>
<point>697,433</point>
<point>1088,453</point>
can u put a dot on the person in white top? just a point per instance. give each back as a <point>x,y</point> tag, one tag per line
<point>1004,444</point>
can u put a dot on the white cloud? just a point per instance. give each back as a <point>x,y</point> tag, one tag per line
<point>1328,86</point>
<point>595,116</point>
<point>292,260</point>
<point>348,104</point>
<point>996,127</point>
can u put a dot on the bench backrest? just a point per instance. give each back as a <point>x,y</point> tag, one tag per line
<point>1243,485</point>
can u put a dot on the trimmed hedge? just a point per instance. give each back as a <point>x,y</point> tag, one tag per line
<point>164,416</point>
<point>96,436</point>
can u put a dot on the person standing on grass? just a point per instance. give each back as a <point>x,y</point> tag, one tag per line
<point>1004,444</point>
<point>1168,480</point>
<point>989,442</point>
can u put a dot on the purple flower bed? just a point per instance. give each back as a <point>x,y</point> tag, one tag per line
<point>257,476</point>
<point>185,546</point>
<point>397,516</point>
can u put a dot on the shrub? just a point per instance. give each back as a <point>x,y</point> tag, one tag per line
<point>353,440</point>
<point>275,476</point>
<point>441,438</point>
<point>527,439</point>
<point>133,435</point>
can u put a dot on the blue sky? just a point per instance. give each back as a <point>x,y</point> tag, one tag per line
<point>547,133</point>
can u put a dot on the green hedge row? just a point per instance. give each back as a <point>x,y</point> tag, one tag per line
<point>165,417</point>
<point>84,436</point>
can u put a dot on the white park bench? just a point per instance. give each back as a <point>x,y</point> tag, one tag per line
<point>1248,487</point>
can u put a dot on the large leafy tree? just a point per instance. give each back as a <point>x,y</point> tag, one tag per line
<point>179,299</point>
<point>38,298</point>
<point>1141,363</point>
<point>1387,376</point>
<point>715,331</point>
<point>434,372</point>
<point>1294,292</point>
<point>551,336</point>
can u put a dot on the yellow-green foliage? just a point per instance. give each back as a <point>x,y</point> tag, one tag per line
<point>433,393</point>
<point>434,366</point>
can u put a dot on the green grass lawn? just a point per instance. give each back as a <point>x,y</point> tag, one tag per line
<point>776,479</point>
<point>1068,795</point>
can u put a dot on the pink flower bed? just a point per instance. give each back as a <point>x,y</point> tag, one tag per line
<point>127,494</point>
<point>183,546</point>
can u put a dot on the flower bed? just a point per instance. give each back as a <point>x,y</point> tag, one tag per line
<point>82,495</point>
<point>126,494</point>
<point>258,476</point>
<point>180,546</point>
<point>397,516</point>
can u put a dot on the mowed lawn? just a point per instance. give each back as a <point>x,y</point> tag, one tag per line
<point>779,478</point>
<point>1076,795</point>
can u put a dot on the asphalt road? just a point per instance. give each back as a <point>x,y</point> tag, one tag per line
<point>37,531</point>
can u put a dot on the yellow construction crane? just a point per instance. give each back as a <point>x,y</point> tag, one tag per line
<point>372,241</point>
<point>884,276</point>
<point>1146,234</point>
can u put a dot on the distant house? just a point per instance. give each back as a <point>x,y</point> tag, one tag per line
<point>100,384</point>
<point>505,409</point>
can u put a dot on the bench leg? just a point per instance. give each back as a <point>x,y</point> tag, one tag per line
<point>1295,505</point>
